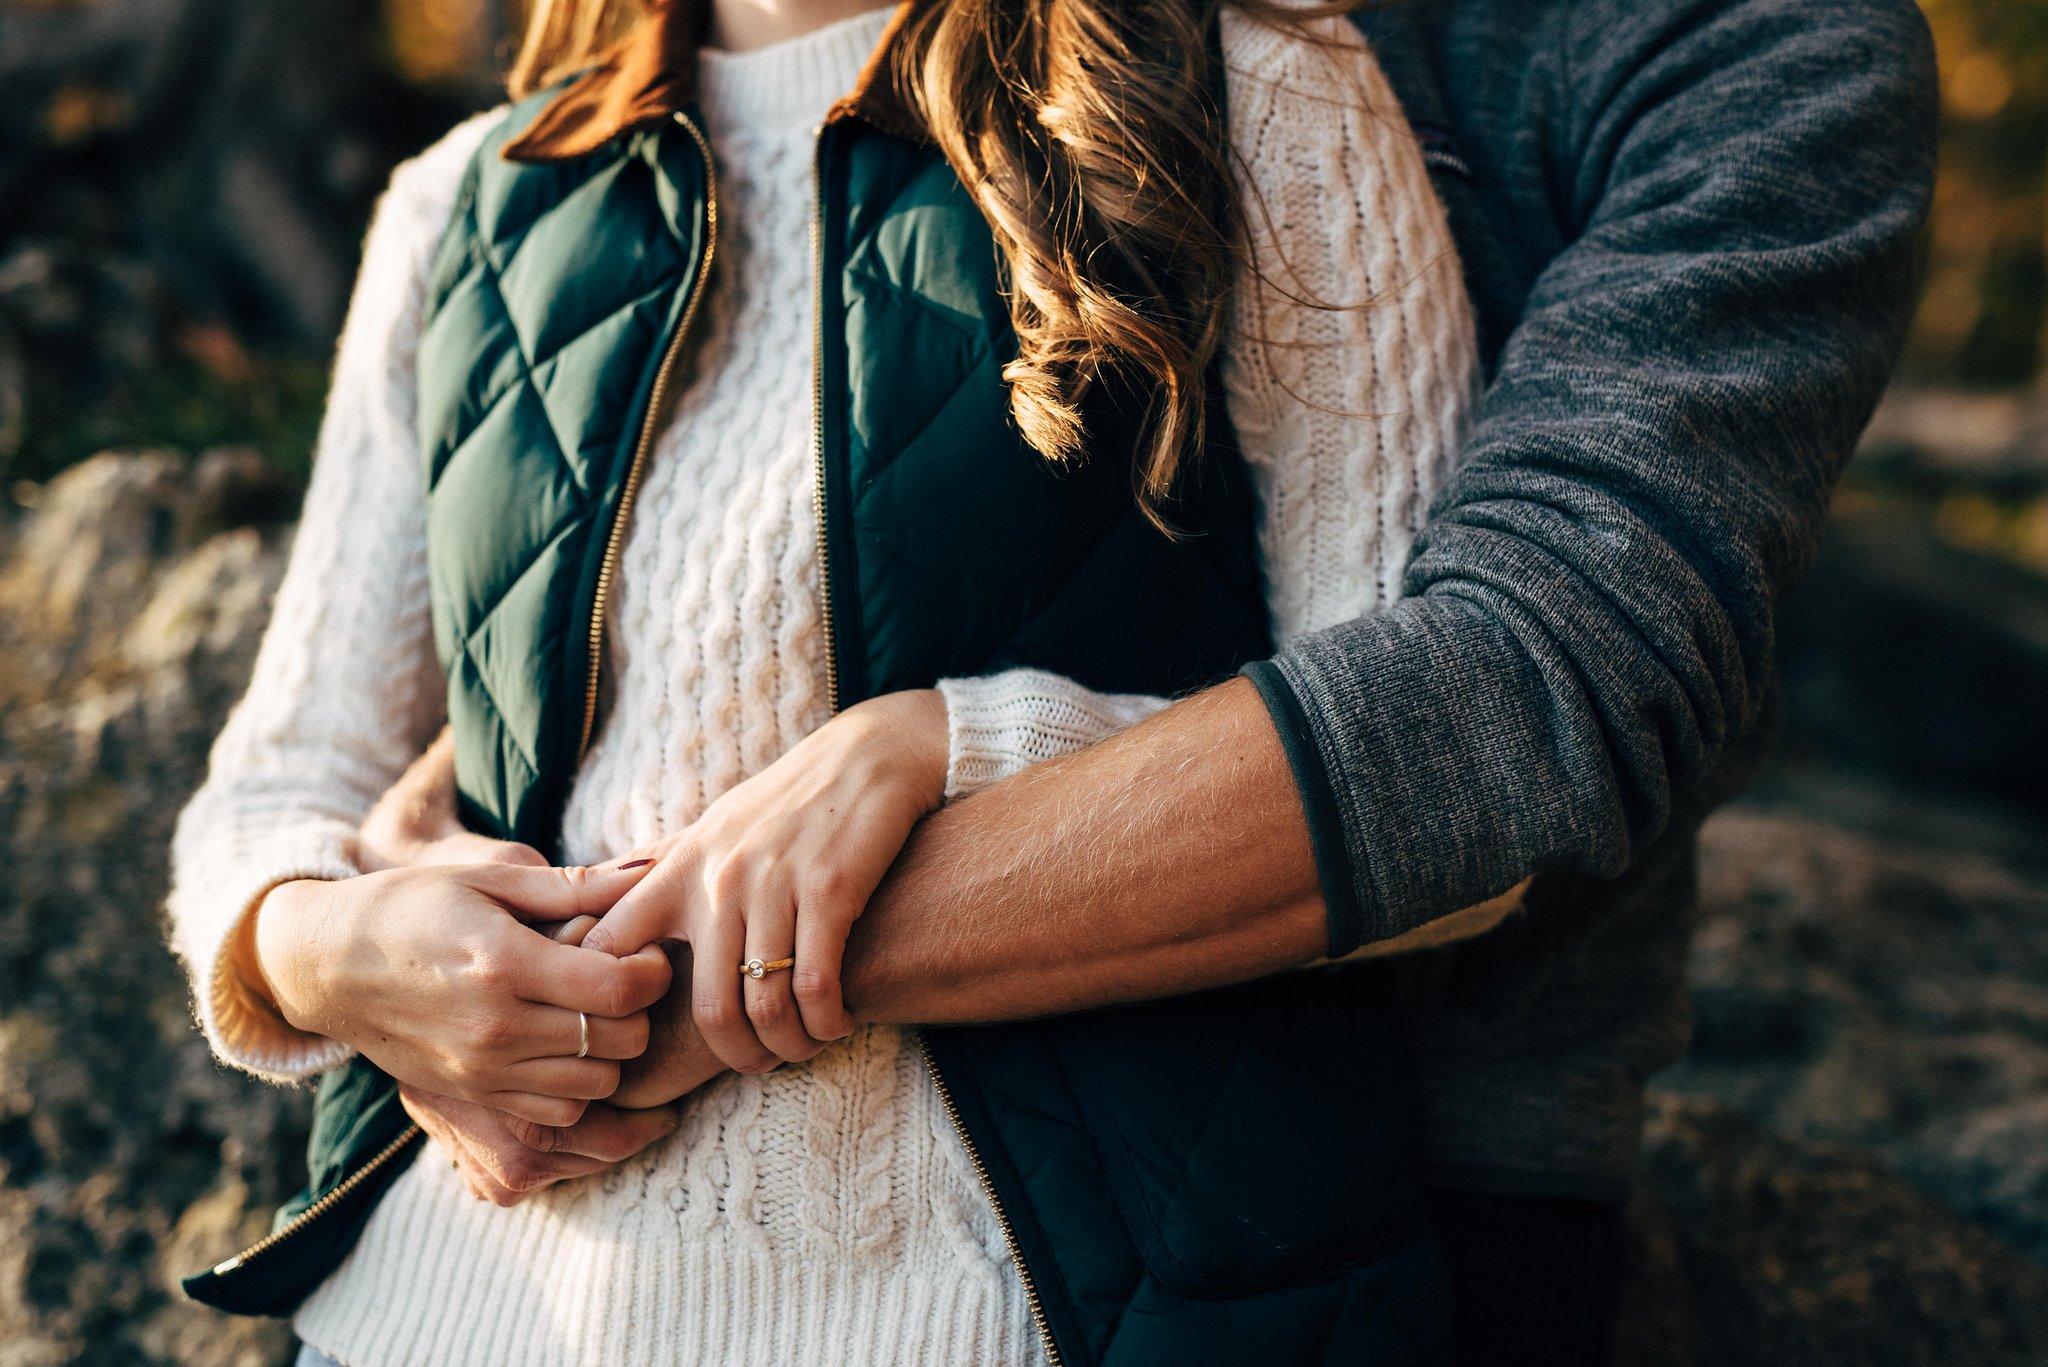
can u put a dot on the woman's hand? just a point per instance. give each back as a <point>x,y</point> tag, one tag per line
<point>439,976</point>
<point>780,867</point>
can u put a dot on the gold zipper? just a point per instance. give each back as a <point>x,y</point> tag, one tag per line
<point>321,1206</point>
<point>648,423</point>
<point>818,413</point>
<point>988,1187</point>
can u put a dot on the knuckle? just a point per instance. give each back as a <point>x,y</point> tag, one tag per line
<point>767,1008</point>
<point>604,1077</point>
<point>733,876</point>
<point>615,997</point>
<point>714,1014</point>
<point>637,1031</point>
<point>492,970</point>
<point>556,1112</point>
<point>813,987</point>
<point>534,1136</point>
<point>764,1063</point>
<point>825,885</point>
<point>494,1032</point>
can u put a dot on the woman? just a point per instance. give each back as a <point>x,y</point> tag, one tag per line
<point>1290,251</point>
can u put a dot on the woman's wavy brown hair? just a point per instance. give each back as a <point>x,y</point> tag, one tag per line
<point>1091,134</point>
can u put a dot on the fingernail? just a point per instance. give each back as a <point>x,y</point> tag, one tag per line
<point>636,864</point>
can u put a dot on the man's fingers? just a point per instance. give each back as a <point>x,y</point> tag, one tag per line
<point>507,1173</point>
<point>541,1110</point>
<point>569,932</point>
<point>467,847</point>
<point>610,1134</point>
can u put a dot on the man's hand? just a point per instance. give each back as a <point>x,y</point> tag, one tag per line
<point>677,1061</point>
<point>504,1159</point>
<point>414,823</point>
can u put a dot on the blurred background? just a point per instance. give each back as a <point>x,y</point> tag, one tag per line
<point>1852,1165</point>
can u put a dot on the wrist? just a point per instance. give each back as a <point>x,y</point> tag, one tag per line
<point>278,927</point>
<point>925,743</point>
<point>906,740</point>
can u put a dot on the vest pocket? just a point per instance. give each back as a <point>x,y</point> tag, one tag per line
<point>1255,1136</point>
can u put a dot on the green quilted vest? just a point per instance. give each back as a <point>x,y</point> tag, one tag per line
<point>1225,1178</point>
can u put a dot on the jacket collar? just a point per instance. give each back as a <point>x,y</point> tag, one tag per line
<point>651,74</point>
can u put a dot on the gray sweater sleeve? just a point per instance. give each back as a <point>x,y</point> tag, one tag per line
<point>1588,619</point>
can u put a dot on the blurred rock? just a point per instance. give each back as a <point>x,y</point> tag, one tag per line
<point>127,1157</point>
<point>1907,656</point>
<point>1884,994</point>
<point>1933,439</point>
<point>1755,1252</point>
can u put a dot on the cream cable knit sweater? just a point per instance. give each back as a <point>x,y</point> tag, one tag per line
<point>823,1213</point>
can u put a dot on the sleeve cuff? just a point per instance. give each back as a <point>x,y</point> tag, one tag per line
<point>1001,724</point>
<point>1334,872</point>
<point>243,1026</point>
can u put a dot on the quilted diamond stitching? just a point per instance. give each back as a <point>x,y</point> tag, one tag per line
<point>570,522</point>
<point>475,678</point>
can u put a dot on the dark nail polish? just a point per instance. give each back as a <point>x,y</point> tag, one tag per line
<point>637,863</point>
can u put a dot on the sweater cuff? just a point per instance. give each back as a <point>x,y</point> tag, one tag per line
<point>1344,914</point>
<point>1001,724</point>
<point>242,1024</point>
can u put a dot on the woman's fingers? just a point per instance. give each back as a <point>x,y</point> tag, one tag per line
<point>579,978</point>
<point>814,979</point>
<point>554,892</point>
<point>577,1079</point>
<point>645,912</point>
<point>561,1031</point>
<point>770,1005</point>
<point>715,1002</point>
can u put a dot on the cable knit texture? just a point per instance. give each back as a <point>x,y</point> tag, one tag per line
<point>822,1213</point>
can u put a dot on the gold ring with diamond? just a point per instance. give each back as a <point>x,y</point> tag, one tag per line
<point>761,968</point>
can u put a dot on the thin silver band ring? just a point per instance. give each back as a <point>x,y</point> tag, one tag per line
<point>582,1035</point>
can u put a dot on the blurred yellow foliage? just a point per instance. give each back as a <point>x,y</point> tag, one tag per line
<point>1982,318</point>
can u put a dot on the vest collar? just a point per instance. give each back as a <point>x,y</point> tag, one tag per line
<point>651,74</point>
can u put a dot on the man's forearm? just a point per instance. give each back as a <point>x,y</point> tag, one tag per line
<point>1167,859</point>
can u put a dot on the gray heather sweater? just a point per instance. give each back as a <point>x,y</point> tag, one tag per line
<point>1688,228</point>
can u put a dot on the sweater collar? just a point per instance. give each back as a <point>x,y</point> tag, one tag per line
<point>651,74</point>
